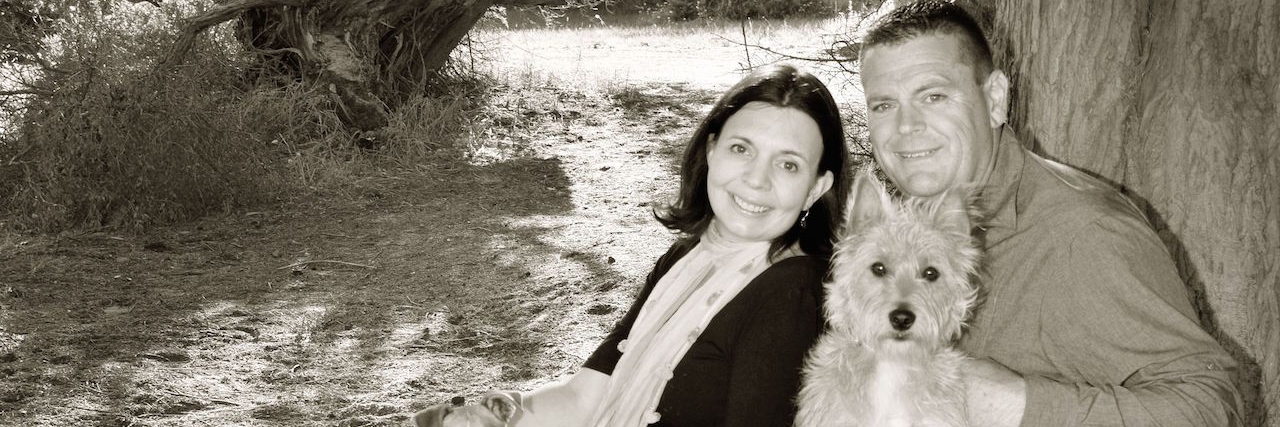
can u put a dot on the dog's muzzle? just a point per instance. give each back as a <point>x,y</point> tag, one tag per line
<point>901,319</point>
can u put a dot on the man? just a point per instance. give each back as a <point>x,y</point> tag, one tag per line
<point>1085,320</point>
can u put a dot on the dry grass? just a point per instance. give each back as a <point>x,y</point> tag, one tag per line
<point>501,248</point>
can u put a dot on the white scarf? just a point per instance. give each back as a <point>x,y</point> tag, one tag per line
<point>679,307</point>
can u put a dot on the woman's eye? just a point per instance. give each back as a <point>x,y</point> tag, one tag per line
<point>737,149</point>
<point>878,269</point>
<point>790,166</point>
<point>929,274</point>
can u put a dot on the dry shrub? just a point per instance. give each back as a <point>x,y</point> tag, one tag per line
<point>427,122</point>
<point>146,151</point>
<point>120,145</point>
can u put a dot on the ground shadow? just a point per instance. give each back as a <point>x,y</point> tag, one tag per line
<point>97,309</point>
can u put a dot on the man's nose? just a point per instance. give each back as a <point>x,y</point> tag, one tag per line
<point>909,119</point>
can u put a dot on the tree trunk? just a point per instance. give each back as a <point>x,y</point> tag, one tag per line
<point>369,54</point>
<point>1177,103</point>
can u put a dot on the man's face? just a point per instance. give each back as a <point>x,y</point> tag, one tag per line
<point>931,121</point>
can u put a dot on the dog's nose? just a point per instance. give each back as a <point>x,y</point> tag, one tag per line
<point>901,319</point>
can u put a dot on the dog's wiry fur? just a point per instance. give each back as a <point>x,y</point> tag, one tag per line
<point>864,371</point>
<point>494,410</point>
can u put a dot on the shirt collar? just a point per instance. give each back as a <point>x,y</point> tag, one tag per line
<point>1000,194</point>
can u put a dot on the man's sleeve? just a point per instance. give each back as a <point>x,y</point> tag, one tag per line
<point>1120,317</point>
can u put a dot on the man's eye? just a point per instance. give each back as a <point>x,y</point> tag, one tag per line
<point>878,108</point>
<point>935,97</point>
<point>790,166</point>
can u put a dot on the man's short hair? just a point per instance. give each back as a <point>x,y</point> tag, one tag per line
<point>930,17</point>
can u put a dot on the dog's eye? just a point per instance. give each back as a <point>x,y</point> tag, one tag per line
<point>879,269</point>
<point>930,274</point>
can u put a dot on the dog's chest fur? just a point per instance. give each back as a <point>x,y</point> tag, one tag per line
<point>846,385</point>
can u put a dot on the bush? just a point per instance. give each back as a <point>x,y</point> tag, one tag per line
<point>104,140</point>
<point>136,153</point>
<point>118,145</point>
<point>681,10</point>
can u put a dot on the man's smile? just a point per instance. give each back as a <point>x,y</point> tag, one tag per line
<point>916,154</point>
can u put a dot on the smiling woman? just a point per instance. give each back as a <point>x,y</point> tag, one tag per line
<point>720,329</point>
<point>763,171</point>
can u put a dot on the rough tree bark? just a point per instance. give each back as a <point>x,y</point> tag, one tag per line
<point>370,54</point>
<point>1177,103</point>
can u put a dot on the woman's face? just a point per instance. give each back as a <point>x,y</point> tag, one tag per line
<point>762,170</point>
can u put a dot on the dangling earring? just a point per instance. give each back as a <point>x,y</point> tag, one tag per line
<point>804,216</point>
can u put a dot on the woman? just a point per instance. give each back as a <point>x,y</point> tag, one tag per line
<point>718,334</point>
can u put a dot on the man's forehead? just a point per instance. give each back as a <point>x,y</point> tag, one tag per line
<point>917,59</point>
<point>936,46</point>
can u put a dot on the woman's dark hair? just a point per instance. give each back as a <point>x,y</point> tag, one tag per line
<point>779,86</point>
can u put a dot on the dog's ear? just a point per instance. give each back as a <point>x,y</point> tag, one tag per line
<point>870,203</point>
<point>957,210</point>
<point>503,404</point>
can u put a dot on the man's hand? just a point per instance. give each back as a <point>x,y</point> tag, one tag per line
<point>996,395</point>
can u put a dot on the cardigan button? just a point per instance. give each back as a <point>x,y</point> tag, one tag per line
<point>622,346</point>
<point>712,299</point>
<point>652,417</point>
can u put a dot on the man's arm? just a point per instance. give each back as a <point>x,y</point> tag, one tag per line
<point>1127,345</point>
<point>995,394</point>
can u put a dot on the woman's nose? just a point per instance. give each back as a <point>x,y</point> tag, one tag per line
<point>757,175</point>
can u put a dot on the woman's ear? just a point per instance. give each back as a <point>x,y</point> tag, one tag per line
<point>820,187</point>
<point>711,143</point>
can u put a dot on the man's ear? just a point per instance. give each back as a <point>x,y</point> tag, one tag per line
<point>996,91</point>
<point>819,188</point>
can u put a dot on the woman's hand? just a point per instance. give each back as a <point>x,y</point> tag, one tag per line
<point>495,409</point>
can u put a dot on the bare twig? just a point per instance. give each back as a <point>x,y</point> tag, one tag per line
<point>743,24</point>
<point>25,92</point>
<point>100,411</point>
<point>224,402</point>
<point>745,45</point>
<point>293,50</point>
<point>327,261</point>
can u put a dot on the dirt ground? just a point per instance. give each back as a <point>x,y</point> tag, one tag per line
<point>498,264</point>
<point>495,267</point>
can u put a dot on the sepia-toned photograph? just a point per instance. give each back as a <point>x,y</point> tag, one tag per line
<point>632,213</point>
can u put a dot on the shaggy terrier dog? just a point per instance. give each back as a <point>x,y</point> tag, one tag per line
<point>495,410</point>
<point>897,298</point>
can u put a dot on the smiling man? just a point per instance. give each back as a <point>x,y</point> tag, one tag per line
<point>1085,320</point>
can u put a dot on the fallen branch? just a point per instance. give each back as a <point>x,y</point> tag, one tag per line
<point>327,261</point>
<point>100,411</point>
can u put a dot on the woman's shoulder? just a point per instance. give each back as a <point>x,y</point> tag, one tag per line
<point>803,265</point>
<point>796,273</point>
